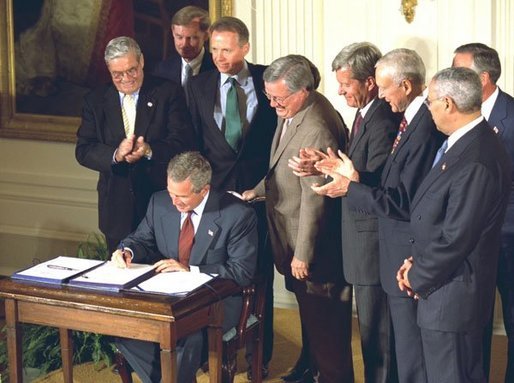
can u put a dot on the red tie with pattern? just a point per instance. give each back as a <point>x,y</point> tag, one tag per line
<point>401,129</point>
<point>185,240</point>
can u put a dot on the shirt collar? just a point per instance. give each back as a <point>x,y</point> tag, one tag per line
<point>487,105</point>
<point>195,63</point>
<point>364,110</point>
<point>241,77</point>
<point>452,139</point>
<point>414,106</point>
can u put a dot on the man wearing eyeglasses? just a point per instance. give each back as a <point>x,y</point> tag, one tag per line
<point>129,131</point>
<point>305,228</point>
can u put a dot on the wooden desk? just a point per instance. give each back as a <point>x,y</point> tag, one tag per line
<point>153,318</point>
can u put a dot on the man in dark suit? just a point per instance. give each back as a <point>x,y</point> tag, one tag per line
<point>498,110</point>
<point>456,219</point>
<point>190,33</point>
<point>239,165</point>
<point>400,76</point>
<point>129,131</point>
<point>304,227</point>
<point>224,243</point>
<point>373,132</point>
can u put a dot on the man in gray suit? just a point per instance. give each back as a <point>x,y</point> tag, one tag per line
<point>373,132</point>
<point>305,228</point>
<point>224,242</point>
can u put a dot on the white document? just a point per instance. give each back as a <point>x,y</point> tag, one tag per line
<point>174,282</point>
<point>109,276</point>
<point>57,269</point>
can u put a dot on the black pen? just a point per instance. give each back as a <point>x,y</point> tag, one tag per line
<point>57,267</point>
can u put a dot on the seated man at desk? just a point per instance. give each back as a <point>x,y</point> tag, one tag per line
<point>190,228</point>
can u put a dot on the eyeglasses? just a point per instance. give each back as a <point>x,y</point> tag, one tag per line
<point>278,100</point>
<point>132,72</point>
<point>428,102</point>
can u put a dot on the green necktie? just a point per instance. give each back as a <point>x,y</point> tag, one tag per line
<point>232,118</point>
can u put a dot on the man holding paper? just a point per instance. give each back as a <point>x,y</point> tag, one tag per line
<point>190,228</point>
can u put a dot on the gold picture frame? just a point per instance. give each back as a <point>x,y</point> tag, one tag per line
<point>42,126</point>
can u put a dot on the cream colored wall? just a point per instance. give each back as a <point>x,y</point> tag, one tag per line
<point>319,29</point>
<point>48,201</point>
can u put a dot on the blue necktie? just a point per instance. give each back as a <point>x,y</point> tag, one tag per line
<point>232,117</point>
<point>440,152</point>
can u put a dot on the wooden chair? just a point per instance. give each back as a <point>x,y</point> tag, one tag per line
<point>250,329</point>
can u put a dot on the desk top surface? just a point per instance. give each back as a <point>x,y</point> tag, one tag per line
<point>108,301</point>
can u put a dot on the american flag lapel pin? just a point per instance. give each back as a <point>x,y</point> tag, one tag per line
<point>210,232</point>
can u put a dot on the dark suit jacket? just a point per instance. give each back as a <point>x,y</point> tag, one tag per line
<point>232,171</point>
<point>502,120</point>
<point>368,151</point>
<point>171,68</point>
<point>456,221</point>
<point>302,223</point>
<point>224,244</point>
<point>403,172</point>
<point>124,189</point>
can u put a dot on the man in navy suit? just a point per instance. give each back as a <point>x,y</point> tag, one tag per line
<point>130,142</point>
<point>498,110</point>
<point>190,32</point>
<point>400,76</point>
<point>225,243</point>
<point>456,219</point>
<point>241,166</point>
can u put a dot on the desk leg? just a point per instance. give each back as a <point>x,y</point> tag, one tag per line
<point>169,354</point>
<point>66,354</point>
<point>169,366</point>
<point>215,334</point>
<point>13,341</point>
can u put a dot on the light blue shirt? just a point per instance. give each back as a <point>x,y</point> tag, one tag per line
<point>245,94</point>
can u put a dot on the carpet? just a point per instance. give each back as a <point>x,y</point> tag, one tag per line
<point>286,350</point>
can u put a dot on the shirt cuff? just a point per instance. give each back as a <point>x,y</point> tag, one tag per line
<point>194,269</point>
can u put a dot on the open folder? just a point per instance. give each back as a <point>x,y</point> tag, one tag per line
<point>108,276</point>
<point>57,270</point>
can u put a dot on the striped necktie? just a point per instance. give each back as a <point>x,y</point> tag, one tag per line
<point>128,112</point>
<point>401,129</point>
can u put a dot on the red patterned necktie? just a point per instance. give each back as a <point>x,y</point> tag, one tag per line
<point>186,240</point>
<point>401,129</point>
<point>356,126</point>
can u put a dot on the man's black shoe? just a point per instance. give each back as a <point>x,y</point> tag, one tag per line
<point>265,373</point>
<point>298,376</point>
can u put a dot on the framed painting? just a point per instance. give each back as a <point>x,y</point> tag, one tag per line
<point>51,55</point>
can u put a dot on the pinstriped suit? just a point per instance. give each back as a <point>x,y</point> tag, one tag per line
<point>307,226</point>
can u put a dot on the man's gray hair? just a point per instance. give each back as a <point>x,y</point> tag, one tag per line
<point>190,165</point>
<point>296,70</point>
<point>120,47</point>
<point>462,85</point>
<point>360,58</point>
<point>187,15</point>
<point>404,64</point>
<point>232,24</point>
<point>485,59</point>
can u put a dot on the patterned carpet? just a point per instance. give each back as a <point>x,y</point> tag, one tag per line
<point>286,350</point>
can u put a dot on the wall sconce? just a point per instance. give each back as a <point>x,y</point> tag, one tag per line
<point>407,9</point>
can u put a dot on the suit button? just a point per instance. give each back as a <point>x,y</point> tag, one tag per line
<point>411,240</point>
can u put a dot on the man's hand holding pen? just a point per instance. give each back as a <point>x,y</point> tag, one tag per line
<point>122,257</point>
